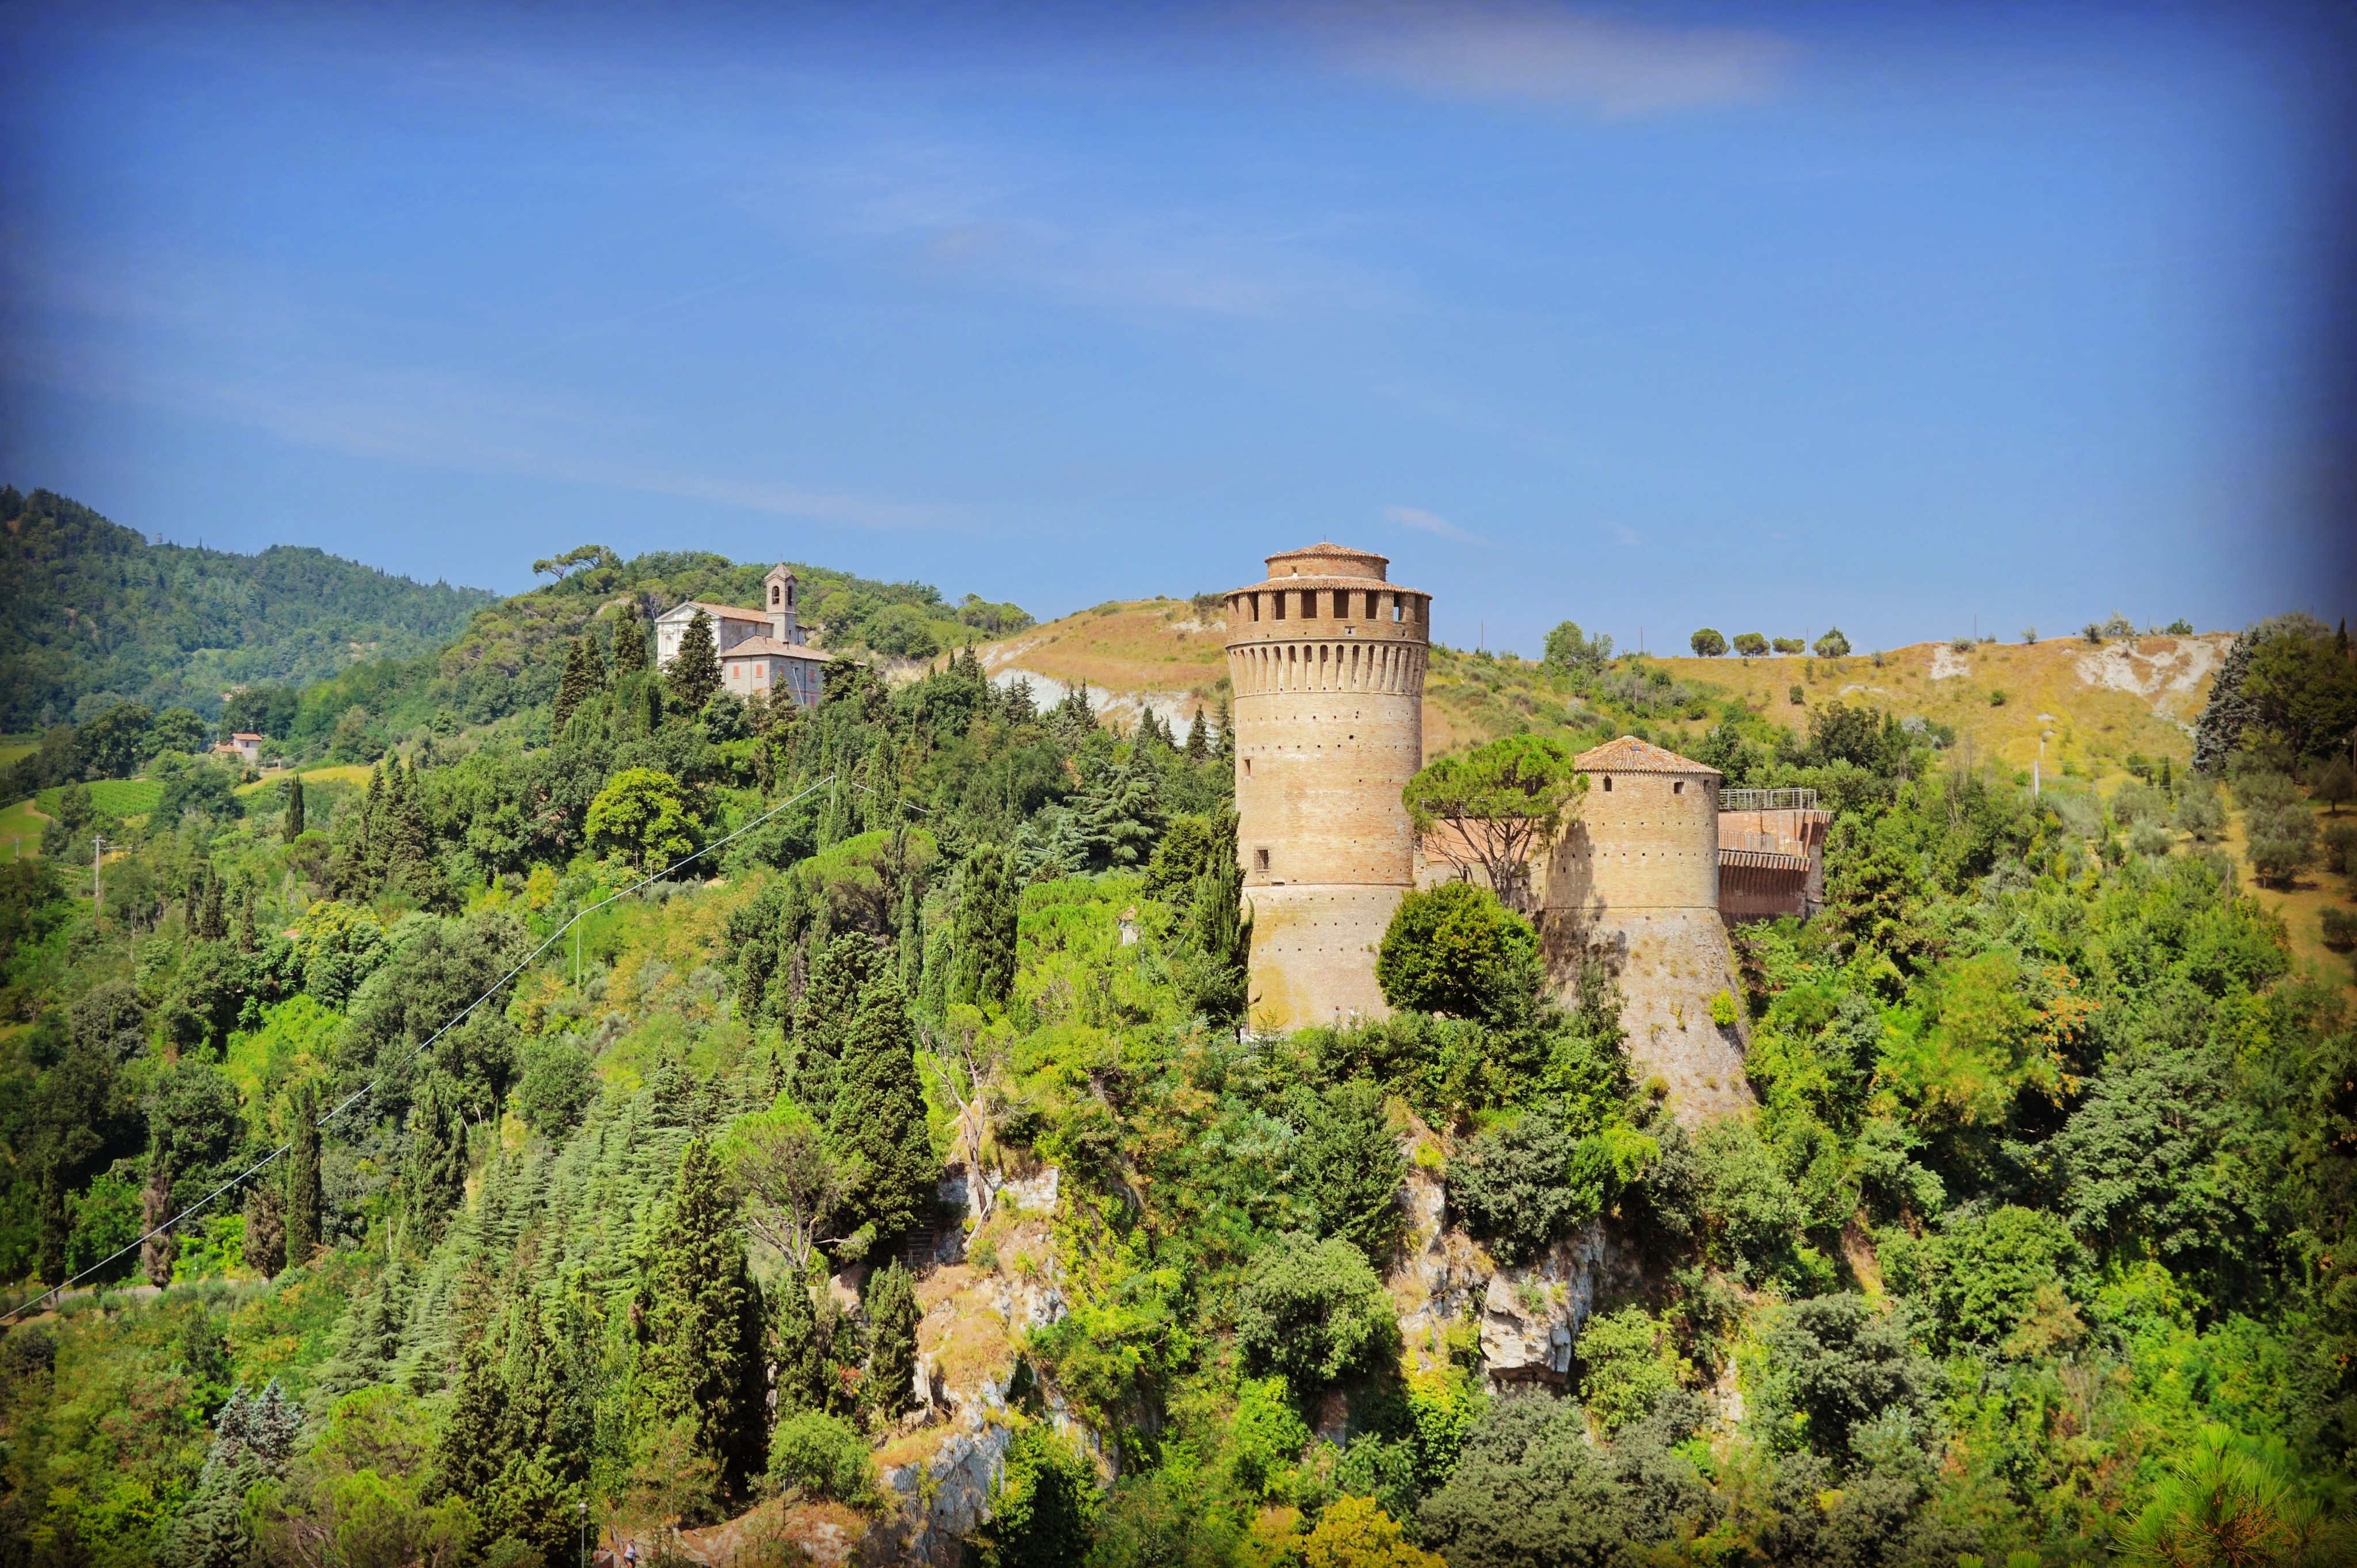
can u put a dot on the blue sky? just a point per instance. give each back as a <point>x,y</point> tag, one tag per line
<point>1759,317</point>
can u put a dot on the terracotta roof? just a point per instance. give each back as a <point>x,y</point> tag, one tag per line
<point>755,647</point>
<point>245,735</point>
<point>1629,755</point>
<point>717,612</point>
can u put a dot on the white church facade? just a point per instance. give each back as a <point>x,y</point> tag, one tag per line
<point>761,650</point>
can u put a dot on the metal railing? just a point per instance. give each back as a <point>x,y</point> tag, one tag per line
<point>1768,799</point>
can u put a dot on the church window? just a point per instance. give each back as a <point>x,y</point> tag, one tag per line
<point>1607,784</point>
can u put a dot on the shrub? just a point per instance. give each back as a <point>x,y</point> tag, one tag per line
<point>817,1455</point>
<point>1355,1532</point>
<point>1749,1208</point>
<point>556,1087</point>
<point>1313,1311</point>
<point>2340,930</point>
<point>1708,643</point>
<point>1961,644</point>
<point>1722,1009</point>
<point>1268,1436</point>
<point>2341,846</point>
<point>1832,645</point>
<point>2149,839</point>
<point>1996,697</point>
<point>1795,697</point>
<point>1349,1167</point>
<point>1512,1187</point>
<point>1981,1273</point>
<point>1835,1365</point>
<point>1627,1362</point>
<point>1456,950</point>
<point>1043,1511</point>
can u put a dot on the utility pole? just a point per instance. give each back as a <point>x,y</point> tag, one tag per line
<point>97,875</point>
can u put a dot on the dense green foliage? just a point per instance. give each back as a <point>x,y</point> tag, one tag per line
<point>167,626</point>
<point>2036,1244</point>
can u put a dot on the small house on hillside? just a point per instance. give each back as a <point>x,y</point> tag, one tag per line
<point>244,747</point>
<point>761,650</point>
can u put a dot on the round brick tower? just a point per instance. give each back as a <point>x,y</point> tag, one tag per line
<point>1635,883</point>
<point>1327,658</point>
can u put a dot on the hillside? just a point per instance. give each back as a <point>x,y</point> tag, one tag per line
<point>95,614</point>
<point>2096,705</point>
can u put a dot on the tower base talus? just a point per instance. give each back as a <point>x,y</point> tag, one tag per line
<point>1313,959</point>
<point>1670,964</point>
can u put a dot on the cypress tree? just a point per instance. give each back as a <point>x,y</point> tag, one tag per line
<point>630,642</point>
<point>57,1227</point>
<point>695,672</point>
<point>160,1252</point>
<point>570,688</point>
<point>370,855</point>
<point>703,1359</point>
<point>595,676</point>
<point>1224,734</point>
<point>984,972</point>
<point>912,938</point>
<point>892,1317</point>
<point>437,1156</point>
<point>798,1353</point>
<point>1199,745</point>
<point>303,1177</point>
<point>1218,971</point>
<point>470,1446</point>
<point>211,924</point>
<point>291,828</point>
<point>878,1126</point>
<point>265,1228</point>
<point>838,974</point>
<point>243,926</point>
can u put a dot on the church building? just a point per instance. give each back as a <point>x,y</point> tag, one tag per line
<point>761,650</point>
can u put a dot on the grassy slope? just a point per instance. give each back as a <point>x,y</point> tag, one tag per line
<point>2302,905</point>
<point>1158,646</point>
<point>20,823</point>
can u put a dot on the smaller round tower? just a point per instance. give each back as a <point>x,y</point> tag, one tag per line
<point>1635,883</point>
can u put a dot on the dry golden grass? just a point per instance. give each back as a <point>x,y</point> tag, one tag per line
<point>2302,907</point>
<point>342,773</point>
<point>1146,645</point>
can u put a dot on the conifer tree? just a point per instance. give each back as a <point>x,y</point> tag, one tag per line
<point>303,1177</point>
<point>244,928</point>
<point>695,672</point>
<point>57,1227</point>
<point>1199,743</point>
<point>367,849</point>
<point>703,1359</point>
<point>471,1434</point>
<point>838,974</point>
<point>595,677</point>
<point>630,642</point>
<point>912,938</point>
<point>211,924</point>
<point>892,1317</point>
<point>985,940</point>
<point>1224,734</point>
<point>437,1156</point>
<point>878,1126</point>
<point>291,827</point>
<point>797,1351</point>
<point>160,1252</point>
<point>265,1228</point>
<point>571,687</point>
<point>1217,970</point>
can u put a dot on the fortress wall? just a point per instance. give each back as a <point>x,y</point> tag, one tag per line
<point>1313,958</point>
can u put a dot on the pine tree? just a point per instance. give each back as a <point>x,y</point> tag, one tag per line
<point>839,975</point>
<point>303,1177</point>
<point>630,642</point>
<point>437,1156</point>
<point>797,1351</point>
<point>702,1358</point>
<point>878,1126</point>
<point>985,940</point>
<point>892,1317</point>
<point>695,672</point>
<point>571,687</point>
<point>291,827</point>
<point>265,1228</point>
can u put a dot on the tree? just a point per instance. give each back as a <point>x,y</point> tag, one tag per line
<point>1832,645</point>
<point>790,1186</point>
<point>1456,950</point>
<point>179,729</point>
<point>644,814</point>
<point>572,687</point>
<point>694,671</point>
<point>1215,971</point>
<point>1513,1188</point>
<point>829,1002</point>
<point>1708,643</point>
<point>111,746</point>
<point>1355,1532</point>
<point>594,556</point>
<point>556,1087</point>
<point>892,1318</point>
<point>1189,846</point>
<point>1349,1167</point>
<point>878,1123</point>
<point>1495,807</point>
<point>437,1168</point>
<point>630,642</point>
<point>1838,1364</point>
<point>2234,1501</point>
<point>983,937</point>
<point>2336,783</point>
<point>1043,1511</point>
<point>820,1456</point>
<point>265,1228</point>
<point>1123,815</point>
<point>1313,1312</point>
<point>1569,649</point>
<point>798,1352</point>
<point>1751,644</point>
<point>290,827</point>
<point>1627,1362</point>
<point>702,1363</point>
<point>303,1177</point>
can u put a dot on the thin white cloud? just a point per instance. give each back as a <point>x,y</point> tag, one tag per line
<point>1430,522</point>
<point>1625,534</point>
<point>1547,54</point>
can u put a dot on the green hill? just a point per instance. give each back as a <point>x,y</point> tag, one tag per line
<point>96,614</point>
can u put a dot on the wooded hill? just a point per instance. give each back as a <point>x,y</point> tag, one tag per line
<point>97,615</point>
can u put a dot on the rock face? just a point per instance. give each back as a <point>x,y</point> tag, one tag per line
<point>1527,1318</point>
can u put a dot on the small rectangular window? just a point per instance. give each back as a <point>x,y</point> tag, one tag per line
<point>1247,767</point>
<point>1260,860</point>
